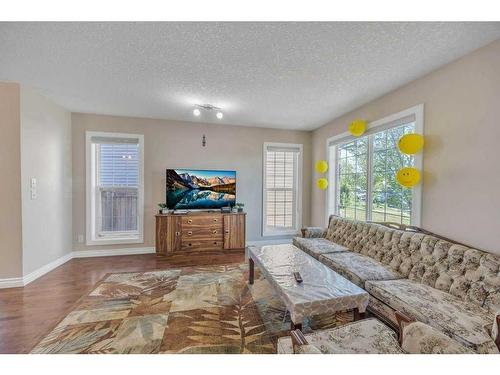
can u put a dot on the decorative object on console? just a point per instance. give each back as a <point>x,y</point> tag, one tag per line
<point>163,208</point>
<point>180,212</point>
<point>357,128</point>
<point>240,206</point>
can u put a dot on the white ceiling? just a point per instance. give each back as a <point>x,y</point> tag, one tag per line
<point>280,75</point>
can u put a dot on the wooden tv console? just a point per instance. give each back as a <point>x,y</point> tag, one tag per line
<point>198,232</point>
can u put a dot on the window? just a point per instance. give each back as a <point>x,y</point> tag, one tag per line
<point>363,174</point>
<point>115,200</point>
<point>282,188</point>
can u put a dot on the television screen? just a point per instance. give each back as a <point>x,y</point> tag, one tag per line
<point>191,189</point>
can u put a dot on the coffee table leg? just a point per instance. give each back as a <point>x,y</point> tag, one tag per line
<point>358,315</point>
<point>251,266</point>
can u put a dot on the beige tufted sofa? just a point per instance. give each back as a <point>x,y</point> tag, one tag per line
<point>451,287</point>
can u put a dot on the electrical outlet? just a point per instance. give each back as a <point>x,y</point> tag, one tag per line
<point>80,238</point>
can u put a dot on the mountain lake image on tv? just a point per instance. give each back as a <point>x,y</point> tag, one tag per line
<point>191,189</point>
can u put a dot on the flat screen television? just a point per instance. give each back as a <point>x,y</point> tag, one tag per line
<point>193,189</point>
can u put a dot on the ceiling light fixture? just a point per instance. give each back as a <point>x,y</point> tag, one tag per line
<point>208,108</point>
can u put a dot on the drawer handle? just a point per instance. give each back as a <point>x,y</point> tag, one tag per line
<point>190,221</point>
<point>190,233</point>
<point>227,231</point>
<point>215,220</point>
<point>189,244</point>
<point>177,233</point>
<point>215,242</point>
<point>214,231</point>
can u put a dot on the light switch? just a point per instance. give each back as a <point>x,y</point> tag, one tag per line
<point>33,187</point>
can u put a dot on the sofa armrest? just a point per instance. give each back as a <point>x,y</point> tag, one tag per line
<point>313,232</point>
<point>495,330</point>
<point>420,338</point>
<point>300,344</point>
<point>403,320</point>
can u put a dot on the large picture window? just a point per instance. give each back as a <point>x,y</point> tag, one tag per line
<point>114,188</point>
<point>281,193</point>
<point>363,172</point>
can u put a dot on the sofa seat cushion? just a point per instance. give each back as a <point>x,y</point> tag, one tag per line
<point>358,268</point>
<point>317,246</point>
<point>367,336</point>
<point>420,338</point>
<point>464,321</point>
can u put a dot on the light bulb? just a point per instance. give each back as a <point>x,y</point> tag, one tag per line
<point>219,115</point>
<point>196,112</point>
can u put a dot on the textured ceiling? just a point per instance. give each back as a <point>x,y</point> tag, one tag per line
<point>281,75</point>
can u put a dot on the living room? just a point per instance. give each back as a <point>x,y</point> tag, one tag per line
<point>250,188</point>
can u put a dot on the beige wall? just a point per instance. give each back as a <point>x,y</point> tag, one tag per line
<point>177,145</point>
<point>10,185</point>
<point>462,153</point>
<point>45,155</point>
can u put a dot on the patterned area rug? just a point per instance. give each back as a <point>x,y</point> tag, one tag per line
<point>190,310</point>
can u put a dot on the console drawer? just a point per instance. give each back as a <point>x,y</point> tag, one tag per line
<point>202,233</point>
<point>201,221</point>
<point>202,245</point>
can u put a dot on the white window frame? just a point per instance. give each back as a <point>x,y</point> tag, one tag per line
<point>297,194</point>
<point>372,127</point>
<point>114,238</point>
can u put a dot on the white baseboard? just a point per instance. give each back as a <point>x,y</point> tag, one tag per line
<point>46,268</point>
<point>113,252</point>
<point>16,282</point>
<point>13,282</point>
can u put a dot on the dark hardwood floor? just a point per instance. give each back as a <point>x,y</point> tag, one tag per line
<point>28,314</point>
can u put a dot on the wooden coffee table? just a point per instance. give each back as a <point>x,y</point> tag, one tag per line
<point>322,291</point>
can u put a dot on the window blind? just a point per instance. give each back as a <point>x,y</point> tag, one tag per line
<point>117,184</point>
<point>118,164</point>
<point>281,168</point>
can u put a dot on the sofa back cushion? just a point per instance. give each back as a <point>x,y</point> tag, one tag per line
<point>389,246</point>
<point>469,274</point>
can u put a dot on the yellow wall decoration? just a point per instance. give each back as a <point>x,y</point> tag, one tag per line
<point>321,166</point>
<point>357,127</point>
<point>322,183</point>
<point>410,144</point>
<point>408,177</point>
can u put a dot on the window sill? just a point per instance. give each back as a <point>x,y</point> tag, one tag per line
<point>115,240</point>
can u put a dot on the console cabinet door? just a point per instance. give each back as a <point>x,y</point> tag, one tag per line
<point>161,235</point>
<point>234,231</point>
<point>174,232</point>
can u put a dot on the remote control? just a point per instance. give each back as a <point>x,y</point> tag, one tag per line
<point>297,276</point>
